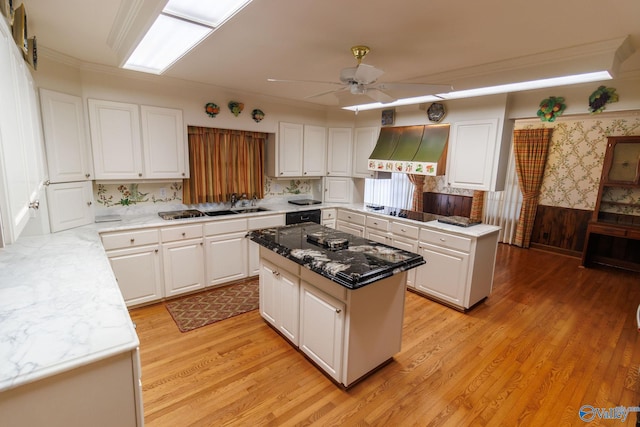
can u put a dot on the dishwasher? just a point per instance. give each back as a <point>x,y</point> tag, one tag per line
<point>312,215</point>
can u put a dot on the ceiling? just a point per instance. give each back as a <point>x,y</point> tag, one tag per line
<point>459,42</point>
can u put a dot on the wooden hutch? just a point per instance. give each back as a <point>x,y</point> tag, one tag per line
<point>613,234</point>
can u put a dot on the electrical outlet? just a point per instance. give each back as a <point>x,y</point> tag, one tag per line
<point>163,193</point>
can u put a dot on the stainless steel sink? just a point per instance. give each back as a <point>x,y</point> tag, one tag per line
<point>250,210</point>
<point>219,213</point>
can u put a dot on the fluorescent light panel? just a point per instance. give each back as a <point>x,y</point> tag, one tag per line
<point>491,90</point>
<point>178,29</point>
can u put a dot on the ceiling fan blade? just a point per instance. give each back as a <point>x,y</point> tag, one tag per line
<point>304,81</point>
<point>378,95</point>
<point>367,74</point>
<point>406,90</point>
<point>324,93</point>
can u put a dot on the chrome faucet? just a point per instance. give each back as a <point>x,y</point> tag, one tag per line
<point>234,200</point>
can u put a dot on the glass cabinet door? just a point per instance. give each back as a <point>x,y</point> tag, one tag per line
<point>624,163</point>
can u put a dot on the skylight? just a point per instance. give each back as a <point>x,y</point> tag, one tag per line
<point>491,90</point>
<point>181,26</point>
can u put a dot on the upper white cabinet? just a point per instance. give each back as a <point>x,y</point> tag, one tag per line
<point>70,205</point>
<point>314,154</point>
<point>338,189</point>
<point>298,151</point>
<point>21,161</point>
<point>119,152</point>
<point>478,154</point>
<point>364,140</point>
<point>339,151</point>
<point>163,142</point>
<point>65,137</point>
<point>115,137</point>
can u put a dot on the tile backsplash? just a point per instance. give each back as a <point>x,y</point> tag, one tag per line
<point>163,194</point>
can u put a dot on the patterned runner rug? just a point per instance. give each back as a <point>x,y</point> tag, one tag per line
<point>204,308</point>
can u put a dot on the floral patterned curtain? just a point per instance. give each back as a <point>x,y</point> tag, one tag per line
<point>223,162</point>
<point>418,189</point>
<point>530,148</point>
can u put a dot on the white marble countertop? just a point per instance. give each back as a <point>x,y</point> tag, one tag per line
<point>60,307</point>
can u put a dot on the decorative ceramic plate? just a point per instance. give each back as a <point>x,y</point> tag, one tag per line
<point>436,112</point>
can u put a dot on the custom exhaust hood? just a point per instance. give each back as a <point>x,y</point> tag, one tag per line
<point>418,150</point>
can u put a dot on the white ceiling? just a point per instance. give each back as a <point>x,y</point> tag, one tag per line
<point>458,42</point>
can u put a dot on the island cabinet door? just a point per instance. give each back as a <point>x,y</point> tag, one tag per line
<point>444,276</point>
<point>322,320</point>
<point>280,300</point>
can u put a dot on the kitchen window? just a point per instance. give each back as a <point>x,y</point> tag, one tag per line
<point>395,192</point>
<point>223,162</point>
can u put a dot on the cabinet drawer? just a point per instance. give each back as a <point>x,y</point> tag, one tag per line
<point>446,240</point>
<point>377,223</point>
<point>607,230</point>
<point>127,239</point>
<point>352,217</point>
<point>405,230</point>
<point>226,226</point>
<point>267,221</point>
<point>328,214</point>
<point>181,232</point>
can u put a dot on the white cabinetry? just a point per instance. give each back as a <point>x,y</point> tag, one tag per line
<point>119,152</point>
<point>115,138</point>
<point>478,155</point>
<point>21,160</point>
<point>65,137</point>
<point>338,189</point>
<point>279,299</point>
<point>458,269</point>
<point>322,320</point>
<point>314,151</point>
<point>226,250</point>
<point>70,205</point>
<point>136,262</point>
<point>351,222</point>
<point>183,259</point>
<point>364,141</point>
<point>256,223</point>
<point>329,218</point>
<point>165,150</point>
<point>339,151</point>
<point>300,150</point>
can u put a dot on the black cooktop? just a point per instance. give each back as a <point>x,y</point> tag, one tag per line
<point>305,202</point>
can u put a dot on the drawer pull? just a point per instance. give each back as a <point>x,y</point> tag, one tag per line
<point>184,234</point>
<point>133,240</point>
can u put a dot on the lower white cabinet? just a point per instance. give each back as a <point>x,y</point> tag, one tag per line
<point>183,259</point>
<point>104,393</point>
<point>322,320</point>
<point>70,205</point>
<point>137,264</point>
<point>256,223</point>
<point>226,251</point>
<point>444,275</point>
<point>279,299</point>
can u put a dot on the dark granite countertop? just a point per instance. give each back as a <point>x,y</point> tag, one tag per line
<point>360,263</point>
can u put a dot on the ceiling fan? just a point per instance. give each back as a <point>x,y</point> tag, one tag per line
<point>361,80</point>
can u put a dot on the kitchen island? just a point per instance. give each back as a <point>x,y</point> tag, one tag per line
<point>337,297</point>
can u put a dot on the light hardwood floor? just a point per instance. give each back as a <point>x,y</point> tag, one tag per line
<point>551,338</point>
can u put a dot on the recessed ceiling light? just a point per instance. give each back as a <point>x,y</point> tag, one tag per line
<point>181,26</point>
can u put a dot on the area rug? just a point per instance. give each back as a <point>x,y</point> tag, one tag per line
<point>207,307</point>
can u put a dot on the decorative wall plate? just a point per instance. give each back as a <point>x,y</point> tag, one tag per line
<point>257,115</point>
<point>550,108</point>
<point>211,109</point>
<point>600,98</point>
<point>436,112</point>
<point>388,117</point>
<point>236,107</point>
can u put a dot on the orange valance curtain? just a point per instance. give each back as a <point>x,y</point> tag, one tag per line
<point>530,148</point>
<point>223,162</point>
<point>418,189</point>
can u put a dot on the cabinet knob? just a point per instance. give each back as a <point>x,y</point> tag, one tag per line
<point>304,173</point>
<point>89,203</point>
<point>132,240</point>
<point>35,204</point>
<point>47,183</point>
<point>140,175</point>
<point>338,311</point>
<point>184,234</point>
<point>442,239</point>
<point>184,174</point>
<point>87,175</point>
<point>156,251</point>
